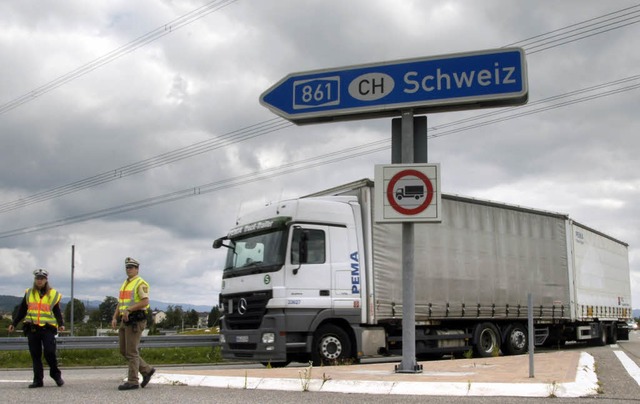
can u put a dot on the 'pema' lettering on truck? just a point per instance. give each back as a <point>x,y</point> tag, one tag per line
<point>355,273</point>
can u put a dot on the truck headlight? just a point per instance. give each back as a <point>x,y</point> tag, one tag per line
<point>268,338</point>
<point>222,339</point>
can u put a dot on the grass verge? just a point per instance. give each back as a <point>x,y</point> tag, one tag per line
<point>112,357</point>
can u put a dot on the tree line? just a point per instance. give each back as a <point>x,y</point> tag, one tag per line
<point>176,317</point>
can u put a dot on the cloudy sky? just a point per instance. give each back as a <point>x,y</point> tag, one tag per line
<point>134,128</point>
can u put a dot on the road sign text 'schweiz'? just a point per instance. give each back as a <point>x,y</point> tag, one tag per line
<point>439,83</point>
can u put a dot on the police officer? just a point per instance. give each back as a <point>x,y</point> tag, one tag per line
<point>131,313</point>
<point>40,309</point>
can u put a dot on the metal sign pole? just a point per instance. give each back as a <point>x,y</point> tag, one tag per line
<point>408,364</point>
<point>531,333</point>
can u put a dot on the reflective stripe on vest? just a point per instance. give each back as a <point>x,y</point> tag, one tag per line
<point>40,309</point>
<point>129,293</point>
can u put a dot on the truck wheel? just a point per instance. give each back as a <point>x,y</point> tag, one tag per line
<point>601,340</point>
<point>612,337</point>
<point>331,345</point>
<point>486,340</point>
<point>516,340</point>
<point>623,334</point>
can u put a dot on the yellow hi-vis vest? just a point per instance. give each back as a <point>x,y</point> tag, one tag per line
<point>129,293</point>
<point>40,309</point>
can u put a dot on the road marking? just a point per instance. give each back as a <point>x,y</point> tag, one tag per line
<point>629,365</point>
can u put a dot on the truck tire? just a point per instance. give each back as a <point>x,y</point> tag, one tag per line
<point>331,345</point>
<point>612,337</point>
<point>516,341</point>
<point>623,334</point>
<point>601,340</point>
<point>486,340</point>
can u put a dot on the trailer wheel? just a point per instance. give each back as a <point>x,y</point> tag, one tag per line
<point>331,345</point>
<point>516,340</point>
<point>486,341</point>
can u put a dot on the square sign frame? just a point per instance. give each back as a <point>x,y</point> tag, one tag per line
<point>408,193</point>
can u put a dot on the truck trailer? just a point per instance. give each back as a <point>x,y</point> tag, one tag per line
<point>318,279</point>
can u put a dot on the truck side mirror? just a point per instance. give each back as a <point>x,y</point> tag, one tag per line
<point>217,243</point>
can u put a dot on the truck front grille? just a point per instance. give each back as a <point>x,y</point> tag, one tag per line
<point>244,311</point>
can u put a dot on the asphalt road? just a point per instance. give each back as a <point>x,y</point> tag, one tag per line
<point>100,386</point>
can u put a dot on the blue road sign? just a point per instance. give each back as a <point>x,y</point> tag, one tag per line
<point>480,79</point>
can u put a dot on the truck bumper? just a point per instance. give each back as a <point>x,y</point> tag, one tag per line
<point>265,344</point>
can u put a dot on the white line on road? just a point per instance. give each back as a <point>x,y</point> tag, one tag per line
<point>629,365</point>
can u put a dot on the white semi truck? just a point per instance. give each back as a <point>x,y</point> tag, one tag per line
<point>316,278</point>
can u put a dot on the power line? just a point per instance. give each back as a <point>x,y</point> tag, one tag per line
<point>207,188</point>
<point>139,42</point>
<point>195,149</point>
<point>532,107</point>
<point>584,29</point>
<point>543,40</point>
<point>312,162</point>
<point>595,27</point>
<point>276,124</point>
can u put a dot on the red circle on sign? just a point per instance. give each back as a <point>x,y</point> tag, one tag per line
<point>423,205</point>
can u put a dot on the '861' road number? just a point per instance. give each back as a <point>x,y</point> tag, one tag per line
<point>316,92</point>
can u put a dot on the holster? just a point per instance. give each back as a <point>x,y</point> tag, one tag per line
<point>28,328</point>
<point>135,317</point>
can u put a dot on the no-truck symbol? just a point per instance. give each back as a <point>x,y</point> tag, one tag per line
<point>409,192</point>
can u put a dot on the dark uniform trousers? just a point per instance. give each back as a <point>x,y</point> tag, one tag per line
<point>43,338</point>
<point>129,338</point>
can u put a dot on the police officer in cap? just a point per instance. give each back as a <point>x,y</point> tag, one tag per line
<point>40,309</point>
<point>131,314</point>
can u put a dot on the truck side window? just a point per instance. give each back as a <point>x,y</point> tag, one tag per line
<point>308,246</point>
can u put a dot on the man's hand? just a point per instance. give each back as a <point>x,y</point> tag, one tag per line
<point>11,328</point>
<point>114,323</point>
<point>61,328</point>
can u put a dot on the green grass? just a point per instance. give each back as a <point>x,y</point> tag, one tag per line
<point>112,357</point>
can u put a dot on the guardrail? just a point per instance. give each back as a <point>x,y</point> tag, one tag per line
<point>151,341</point>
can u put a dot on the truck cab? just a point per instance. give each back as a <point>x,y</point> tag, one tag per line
<point>292,267</point>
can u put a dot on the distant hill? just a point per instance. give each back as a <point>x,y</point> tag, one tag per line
<point>7,303</point>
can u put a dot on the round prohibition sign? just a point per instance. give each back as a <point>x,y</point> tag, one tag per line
<point>391,195</point>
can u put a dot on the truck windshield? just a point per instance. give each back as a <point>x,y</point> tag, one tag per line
<point>255,253</point>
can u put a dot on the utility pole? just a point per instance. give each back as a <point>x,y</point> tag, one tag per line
<point>73,265</point>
